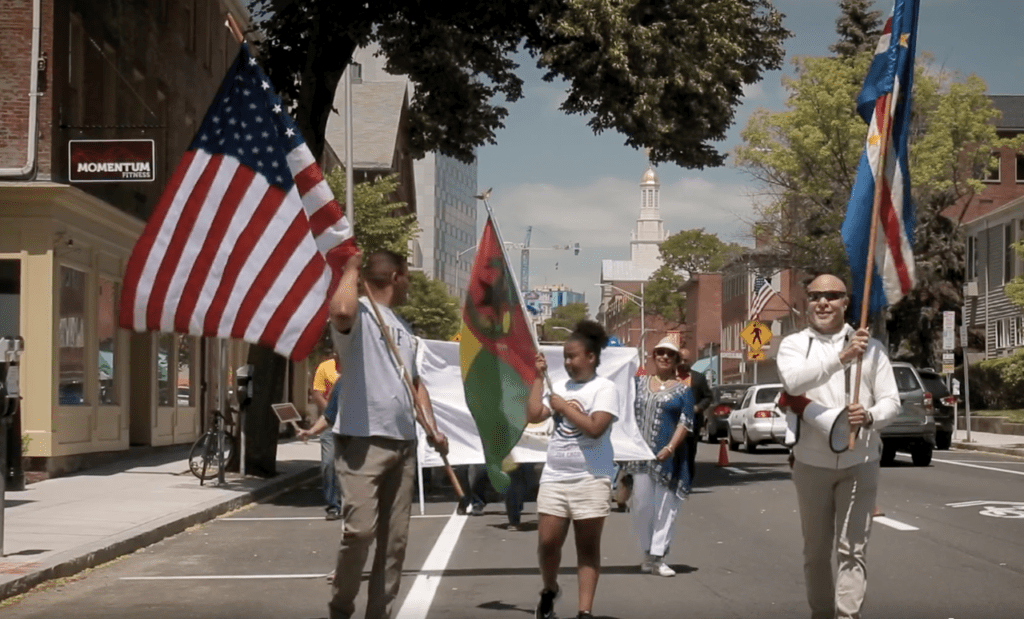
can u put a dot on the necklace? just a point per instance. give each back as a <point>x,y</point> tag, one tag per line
<point>661,383</point>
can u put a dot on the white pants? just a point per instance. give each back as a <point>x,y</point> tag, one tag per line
<point>831,501</point>
<point>654,508</point>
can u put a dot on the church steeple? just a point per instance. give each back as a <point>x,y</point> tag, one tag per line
<point>650,231</point>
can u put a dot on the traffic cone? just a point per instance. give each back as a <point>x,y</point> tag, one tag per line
<point>723,453</point>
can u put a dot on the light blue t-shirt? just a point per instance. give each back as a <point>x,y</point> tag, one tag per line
<point>374,400</point>
<point>571,453</point>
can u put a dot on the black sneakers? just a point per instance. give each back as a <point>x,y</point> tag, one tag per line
<point>584,615</point>
<point>546,606</point>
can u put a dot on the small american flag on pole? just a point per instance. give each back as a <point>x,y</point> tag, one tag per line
<point>763,292</point>
<point>247,239</point>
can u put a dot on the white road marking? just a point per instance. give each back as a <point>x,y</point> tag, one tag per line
<point>421,594</point>
<point>228,577</point>
<point>895,524</point>
<point>733,469</point>
<point>992,462</point>
<point>279,518</point>
<point>974,466</point>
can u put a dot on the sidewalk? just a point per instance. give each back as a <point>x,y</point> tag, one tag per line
<point>1006,444</point>
<point>58,527</point>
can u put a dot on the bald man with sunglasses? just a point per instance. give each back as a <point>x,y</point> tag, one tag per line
<point>835,485</point>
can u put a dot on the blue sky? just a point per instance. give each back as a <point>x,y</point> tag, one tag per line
<point>549,171</point>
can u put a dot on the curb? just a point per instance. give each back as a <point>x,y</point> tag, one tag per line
<point>1006,451</point>
<point>78,560</point>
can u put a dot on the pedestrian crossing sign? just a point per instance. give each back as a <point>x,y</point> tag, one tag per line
<point>756,334</point>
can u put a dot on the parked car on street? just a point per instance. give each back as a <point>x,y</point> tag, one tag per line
<point>724,398</point>
<point>913,430</point>
<point>757,420</point>
<point>942,403</point>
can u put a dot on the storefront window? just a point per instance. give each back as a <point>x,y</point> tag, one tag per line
<point>109,386</point>
<point>71,338</point>
<point>10,291</point>
<point>165,370</point>
<point>186,392</point>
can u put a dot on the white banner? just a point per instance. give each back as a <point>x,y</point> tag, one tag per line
<point>439,369</point>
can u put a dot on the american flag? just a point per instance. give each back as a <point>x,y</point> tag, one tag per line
<point>892,71</point>
<point>247,239</point>
<point>763,292</point>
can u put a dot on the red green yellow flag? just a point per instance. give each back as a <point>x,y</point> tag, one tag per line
<point>497,354</point>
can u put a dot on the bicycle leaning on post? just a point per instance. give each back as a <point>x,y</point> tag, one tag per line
<point>211,451</point>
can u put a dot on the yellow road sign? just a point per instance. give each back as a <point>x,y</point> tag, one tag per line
<point>755,356</point>
<point>756,334</point>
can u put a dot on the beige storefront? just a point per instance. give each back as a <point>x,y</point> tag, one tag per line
<point>88,385</point>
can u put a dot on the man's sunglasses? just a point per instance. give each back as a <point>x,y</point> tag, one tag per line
<point>664,352</point>
<point>828,295</point>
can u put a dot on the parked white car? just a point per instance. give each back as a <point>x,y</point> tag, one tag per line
<point>757,420</point>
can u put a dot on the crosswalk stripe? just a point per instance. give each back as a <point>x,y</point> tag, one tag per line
<point>895,524</point>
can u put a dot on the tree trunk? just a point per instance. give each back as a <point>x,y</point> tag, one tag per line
<point>261,423</point>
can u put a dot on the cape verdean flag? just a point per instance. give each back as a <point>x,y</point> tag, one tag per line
<point>497,354</point>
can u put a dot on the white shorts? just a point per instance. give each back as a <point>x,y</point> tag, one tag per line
<point>576,499</point>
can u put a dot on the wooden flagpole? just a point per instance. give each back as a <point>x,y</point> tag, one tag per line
<point>407,380</point>
<point>235,30</point>
<point>869,268</point>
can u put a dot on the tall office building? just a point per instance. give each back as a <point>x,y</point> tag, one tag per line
<point>445,204</point>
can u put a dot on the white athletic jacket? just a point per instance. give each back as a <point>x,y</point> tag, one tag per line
<point>809,365</point>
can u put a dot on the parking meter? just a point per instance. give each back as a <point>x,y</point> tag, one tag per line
<point>10,426</point>
<point>10,378</point>
<point>243,385</point>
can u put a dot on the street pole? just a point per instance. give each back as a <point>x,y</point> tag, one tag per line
<point>643,330</point>
<point>967,364</point>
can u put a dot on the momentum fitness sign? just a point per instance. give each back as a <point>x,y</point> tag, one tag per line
<point>105,161</point>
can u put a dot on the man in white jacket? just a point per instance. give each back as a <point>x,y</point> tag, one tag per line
<point>835,486</point>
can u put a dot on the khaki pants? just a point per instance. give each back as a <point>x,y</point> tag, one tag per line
<point>376,478</point>
<point>831,501</point>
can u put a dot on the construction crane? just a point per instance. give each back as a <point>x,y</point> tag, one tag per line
<point>524,263</point>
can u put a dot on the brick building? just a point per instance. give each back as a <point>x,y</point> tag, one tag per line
<point>120,76</point>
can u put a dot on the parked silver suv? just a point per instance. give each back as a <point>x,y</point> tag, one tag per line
<point>913,430</point>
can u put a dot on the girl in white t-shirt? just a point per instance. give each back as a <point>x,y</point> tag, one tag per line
<point>577,479</point>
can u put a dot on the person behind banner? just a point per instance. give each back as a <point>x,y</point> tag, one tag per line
<point>324,380</point>
<point>577,477</point>
<point>835,485</point>
<point>702,397</point>
<point>375,432</point>
<point>664,414</point>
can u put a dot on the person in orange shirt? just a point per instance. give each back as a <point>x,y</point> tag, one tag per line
<point>327,374</point>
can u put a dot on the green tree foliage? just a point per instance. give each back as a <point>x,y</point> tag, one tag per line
<point>563,317</point>
<point>684,253</point>
<point>1015,289</point>
<point>667,75</point>
<point>858,28</point>
<point>381,221</point>
<point>805,160</point>
<point>432,312</point>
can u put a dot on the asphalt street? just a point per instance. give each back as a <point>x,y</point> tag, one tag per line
<point>951,545</point>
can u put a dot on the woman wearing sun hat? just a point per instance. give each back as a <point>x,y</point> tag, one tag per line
<point>664,414</point>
